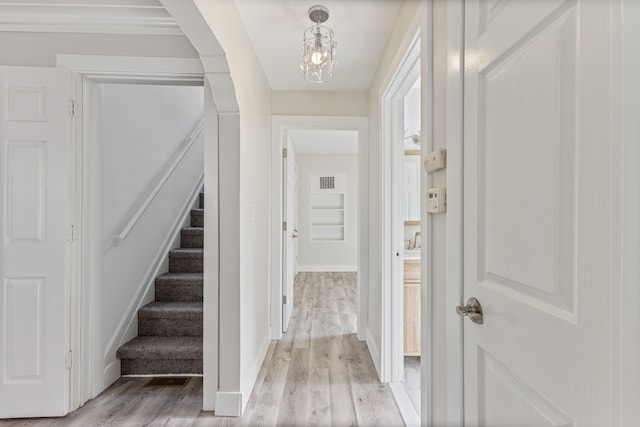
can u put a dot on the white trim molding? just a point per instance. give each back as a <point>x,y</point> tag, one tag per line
<point>228,404</point>
<point>405,75</point>
<point>129,69</point>
<point>106,17</point>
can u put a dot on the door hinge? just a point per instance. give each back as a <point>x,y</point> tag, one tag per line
<point>68,361</point>
<point>72,234</point>
<point>284,299</point>
<point>284,153</point>
<point>284,225</point>
<point>71,108</point>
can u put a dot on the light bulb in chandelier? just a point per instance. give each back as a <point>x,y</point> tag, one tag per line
<point>317,55</point>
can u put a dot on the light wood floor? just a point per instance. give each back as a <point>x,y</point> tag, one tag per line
<point>318,374</point>
<point>412,379</point>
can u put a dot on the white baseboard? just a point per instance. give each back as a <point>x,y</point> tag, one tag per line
<point>111,374</point>
<point>328,268</point>
<point>410,415</point>
<point>374,351</point>
<point>228,404</point>
<point>249,381</point>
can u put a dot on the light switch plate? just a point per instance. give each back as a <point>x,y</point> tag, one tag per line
<point>436,200</point>
<point>436,160</point>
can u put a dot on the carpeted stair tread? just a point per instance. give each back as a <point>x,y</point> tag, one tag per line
<point>172,310</point>
<point>193,230</point>
<point>162,348</point>
<point>180,279</point>
<point>186,252</point>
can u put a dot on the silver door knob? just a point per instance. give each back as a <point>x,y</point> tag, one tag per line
<point>473,309</point>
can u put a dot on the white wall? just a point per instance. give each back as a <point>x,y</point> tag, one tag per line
<point>144,128</point>
<point>325,256</point>
<point>40,49</point>
<point>315,103</point>
<point>412,117</point>
<point>245,142</point>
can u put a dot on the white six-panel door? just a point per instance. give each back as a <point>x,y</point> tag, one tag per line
<point>33,173</point>
<point>536,213</point>
<point>290,234</point>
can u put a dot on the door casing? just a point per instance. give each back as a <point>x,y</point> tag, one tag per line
<point>280,125</point>
<point>87,71</point>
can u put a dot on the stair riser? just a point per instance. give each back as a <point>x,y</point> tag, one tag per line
<point>170,327</point>
<point>201,200</point>
<point>160,366</point>
<point>182,293</point>
<point>197,219</point>
<point>185,265</point>
<point>191,240</point>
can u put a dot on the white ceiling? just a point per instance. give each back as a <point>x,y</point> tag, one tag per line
<point>361,29</point>
<point>323,141</point>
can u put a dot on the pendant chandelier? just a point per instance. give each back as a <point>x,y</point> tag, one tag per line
<point>319,53</point>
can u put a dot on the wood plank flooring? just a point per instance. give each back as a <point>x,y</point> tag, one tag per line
<point>318,374</point>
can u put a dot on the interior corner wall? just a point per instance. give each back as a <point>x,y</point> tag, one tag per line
<point>328,256</point>
<point>406,25</point>
<point>40,49</point>
<point>244,318</point>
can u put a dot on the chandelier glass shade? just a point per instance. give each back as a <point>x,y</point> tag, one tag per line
<point>319,52</point>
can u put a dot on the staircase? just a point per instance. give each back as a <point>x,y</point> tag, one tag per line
<point>169,337</point>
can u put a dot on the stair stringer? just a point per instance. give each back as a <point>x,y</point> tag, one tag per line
<point>128,327</point>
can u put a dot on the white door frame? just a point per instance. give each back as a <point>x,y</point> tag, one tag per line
<point>452,322</point>
<point>392,363</point>
<point>88,70</point>
<point>625,209</point>
<point>287,231</point>
<point>280,125</point>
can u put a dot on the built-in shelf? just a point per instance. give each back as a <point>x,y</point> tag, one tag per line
<point>326,208</point>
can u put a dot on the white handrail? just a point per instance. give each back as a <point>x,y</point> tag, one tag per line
<point>120,237</point>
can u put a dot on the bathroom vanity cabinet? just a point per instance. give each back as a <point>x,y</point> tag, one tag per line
<point>412,307</point>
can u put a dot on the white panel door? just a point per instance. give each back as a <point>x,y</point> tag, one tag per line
<point>536,221</point>
<point>33,153</point>
<point>289,235</point>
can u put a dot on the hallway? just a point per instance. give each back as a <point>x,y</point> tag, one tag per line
<point>319,373</point>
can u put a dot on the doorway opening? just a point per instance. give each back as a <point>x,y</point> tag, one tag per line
<point>320,193</point>
<point>177,84</point>
<point>403,261</point>
<point>319,183</point>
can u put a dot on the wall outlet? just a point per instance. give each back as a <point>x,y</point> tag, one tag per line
<point>436,160</point>
<point>436,200</point>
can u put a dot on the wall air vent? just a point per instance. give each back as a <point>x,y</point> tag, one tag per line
<point>327,182</point>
